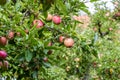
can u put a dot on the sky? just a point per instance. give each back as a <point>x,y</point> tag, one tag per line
<point>91,6</point>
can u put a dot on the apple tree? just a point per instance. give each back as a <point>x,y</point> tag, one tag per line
<point>40,40</point>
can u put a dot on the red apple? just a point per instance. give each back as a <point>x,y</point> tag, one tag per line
<point>68,42</point>
<point>3,41</point>
<point>56,19</point>
<point>49,17</point>
<point>38,23</point>
<point>3,54</point>
<point>11,35</point>
<point>61,39</point>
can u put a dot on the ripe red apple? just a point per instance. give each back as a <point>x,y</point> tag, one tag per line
<point>3,54</point>
<point>56,19</point>
<point>11,35</point>
<point>45,59</point>
<point>68,42</point>
<point>49,17</point>
<point>3,41</point>
<point>61,39</point>
<point>38,23</point>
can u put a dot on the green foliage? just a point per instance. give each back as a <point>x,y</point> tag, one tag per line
<point>37,54</point>
<point>28,50</point>
<point>55,73</point>
<point>106,66</point>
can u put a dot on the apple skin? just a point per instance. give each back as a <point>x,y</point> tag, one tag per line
<point>49,17</point>
<point>68,42</point>
<point>3,54</point>
<point>61,39</point>
<point>3,41</point>
<point>38,23</point>
<point>11,35</point>
<point>56,19</point>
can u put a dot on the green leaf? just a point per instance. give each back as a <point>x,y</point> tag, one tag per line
<point>47,64</point>
<point>52,47</point>
<point>93,0</point>
<point>28,55</point>
<point>94,52</point>
<point>35,73</point>
<point>47,4</point>
<point>47,33</point>
<point>21,30</point>
<point>61,7</point>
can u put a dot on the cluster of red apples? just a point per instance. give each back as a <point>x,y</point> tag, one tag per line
<point>3,62</point>
<point>68,42</point>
